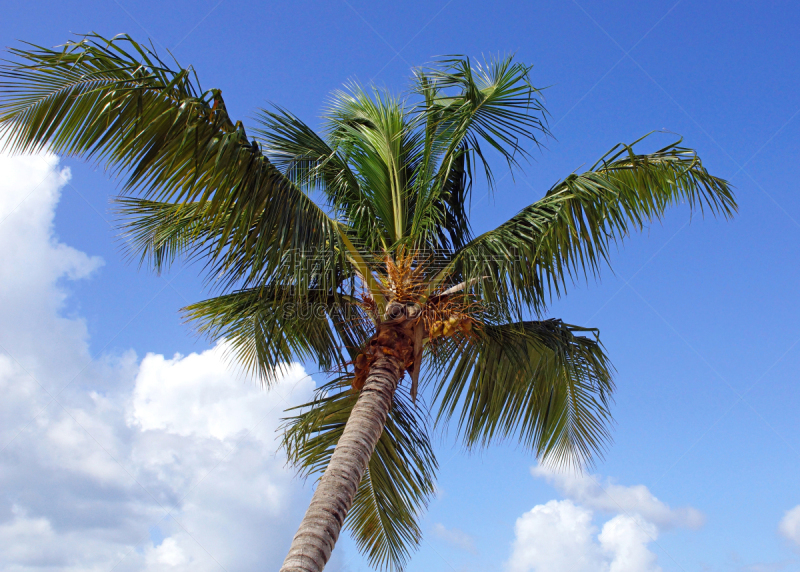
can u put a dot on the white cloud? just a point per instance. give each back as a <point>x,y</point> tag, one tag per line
<point>789,526</point>
<point>455,537</point>
<point>624,539</point>
<point>591,491</point>
<point>555,537</point>
<point>31,263</point>
<point>168,552</point>
<point>193,395</point>
<point>561,536</point>
<point>89,480</point>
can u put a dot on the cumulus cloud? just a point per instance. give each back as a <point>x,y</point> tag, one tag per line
<point>158,464</point>
<point>194,395</point>
<point>562,536</point>
<point>789,526</point>
<point>624,540</point>
<point>455,537</point>
<point>556,536</point>
<point>606,496</point>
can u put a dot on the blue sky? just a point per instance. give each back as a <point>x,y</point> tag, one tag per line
<point>700,319</point>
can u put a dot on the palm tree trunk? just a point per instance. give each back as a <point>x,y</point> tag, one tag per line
<point>312,544</point>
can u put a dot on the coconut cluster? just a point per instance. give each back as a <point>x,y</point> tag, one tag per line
<point>450,326</point>
<point>411,318</point>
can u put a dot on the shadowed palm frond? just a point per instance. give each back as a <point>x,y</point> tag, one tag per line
<point>157,233</point>
<point>567,234</point>
<point>175,142</point>
<point>441,221</point>
<point>307,159</point>
<point>270,327</point>
<point>399,480</point>
<point>539,382</point>
<point>454,202</point>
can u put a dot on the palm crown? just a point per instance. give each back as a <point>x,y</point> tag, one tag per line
<point>355,246</point>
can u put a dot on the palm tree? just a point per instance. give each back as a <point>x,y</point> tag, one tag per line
<point>354,248</point>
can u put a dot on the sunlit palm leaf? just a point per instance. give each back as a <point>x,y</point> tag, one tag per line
<point>175,142</point>
<point>567,234</point>
<point>372,133</point>
<point>491,102</point>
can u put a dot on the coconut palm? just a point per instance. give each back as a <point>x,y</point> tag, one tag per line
<point>353,248</point>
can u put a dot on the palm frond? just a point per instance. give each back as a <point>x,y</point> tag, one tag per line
<point>567,234</point>
<point>157,233</point>
<point>398,482</point>
<point>542,383</point>
<point>467,103</point>
<point>370,131</point>
<point>116,102</point>
<point>440,217</point>
<point>160,232</point>
<point>270,327</point>
<point>455,200</point>
<point>306,158</point>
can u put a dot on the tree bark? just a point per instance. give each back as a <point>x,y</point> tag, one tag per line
<point>312,544</point>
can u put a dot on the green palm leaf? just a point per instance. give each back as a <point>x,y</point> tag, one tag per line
<point>270,327</point>
<point>308,159</point>
<point>539,382</point>
<point>567,234</point>
<point>372,134</point>
<point>465,105</point>
<point>176,143</point>
<point>441,221</point>
<point>159,232</point>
